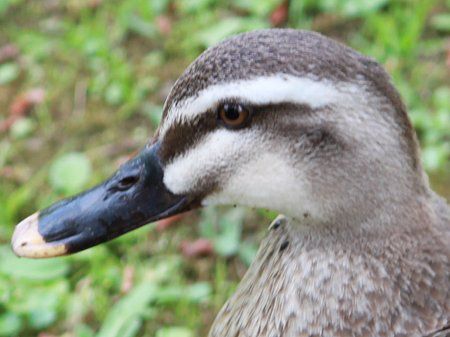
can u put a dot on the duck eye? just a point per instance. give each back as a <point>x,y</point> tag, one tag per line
<point>126,183</point>
<point>234,115</point>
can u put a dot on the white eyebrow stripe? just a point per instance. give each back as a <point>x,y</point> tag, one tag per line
<point>262,90</point>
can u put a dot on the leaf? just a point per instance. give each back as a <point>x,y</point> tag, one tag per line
<point>227,243</point>
<point>441,97</point>
<point>70,173</point>
<point>41,318</point>
<point>441,22</point>
<point>224,231</point>
<point>159,6</point>
<point>29,300</point>
<point>206,224</point>
<point>434,157</point>
<point>82,330</point>
<point>194,6</point>
<point>247,253</point>
<point>4,6</point>
<point>227,27</point>
<point>174,332</point>
<point>169,295</point>
<point>22,128</point>
<point>258,8</point>
<point>352,8</point>
<point>153,112</point>
<point>8,72</point>
<point>195,293</point>
<point>131,328</point>
<point>198,292</point>
<point>10,324</point>
<point>12,266</point>
<point>142,27</point>
<point>129,308</point>
<point>114,94</point>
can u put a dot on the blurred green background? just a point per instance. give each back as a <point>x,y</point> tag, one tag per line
<point>82,85</point>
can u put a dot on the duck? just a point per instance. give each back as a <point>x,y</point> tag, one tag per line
<point>294,122</point>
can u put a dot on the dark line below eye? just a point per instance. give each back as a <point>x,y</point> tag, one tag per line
<point>184,135</point>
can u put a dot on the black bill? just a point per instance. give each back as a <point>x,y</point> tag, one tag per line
<point>134,196</point>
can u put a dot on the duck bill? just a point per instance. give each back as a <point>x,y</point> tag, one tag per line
<point>134,196</point>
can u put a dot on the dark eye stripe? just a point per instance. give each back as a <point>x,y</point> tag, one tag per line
<point>184,135</point>
<point>181,136</point>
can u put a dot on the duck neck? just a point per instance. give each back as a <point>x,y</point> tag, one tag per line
<point>366,226</point>
<point>370,233</point>
<point>306,277</point>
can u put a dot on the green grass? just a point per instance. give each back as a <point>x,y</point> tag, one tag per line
<point>105,68</point>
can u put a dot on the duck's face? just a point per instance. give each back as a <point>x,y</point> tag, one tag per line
<point>280,119</point>
<point>251,142</point>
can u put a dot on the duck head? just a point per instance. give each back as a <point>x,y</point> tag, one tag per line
<point>281,119</point>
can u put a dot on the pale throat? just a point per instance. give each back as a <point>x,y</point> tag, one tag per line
<point>268,181</point>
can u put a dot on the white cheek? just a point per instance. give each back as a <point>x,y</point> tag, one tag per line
<point>257,174</point>
<point>267,181</point>
<point>215,152</point>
